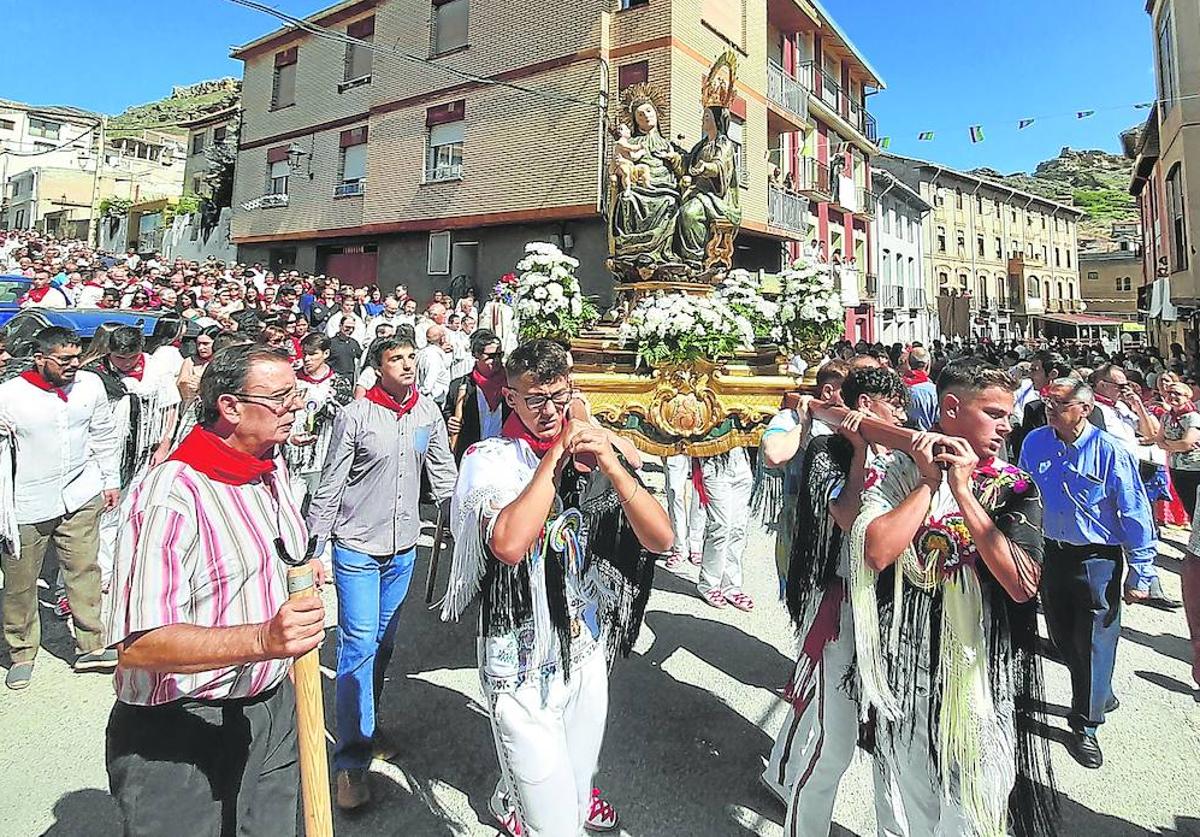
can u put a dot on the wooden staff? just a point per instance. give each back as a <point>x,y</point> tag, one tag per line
<point>459,401</point>
<point>872,429</point>
<point>310,721</point>
<point>439,535</point>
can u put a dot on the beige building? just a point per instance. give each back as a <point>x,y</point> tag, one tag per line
<point>376,168</point>
<point>1109,282</point>
<point>1009,257</point>
<point>53,138</point>
<point>1166,178</point>
<point>214,129</point>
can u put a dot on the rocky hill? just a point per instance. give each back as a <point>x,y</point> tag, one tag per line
<point>184,103</point>
<point>1095,181</point>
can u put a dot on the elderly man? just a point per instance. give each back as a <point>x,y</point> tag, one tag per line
<point>923,399</point>
<point>1096,510</point>
<point>65,443</point>
<point>367,504</point>
<point>435,316</point>
<point>204,729</point>
<point>434,362</point>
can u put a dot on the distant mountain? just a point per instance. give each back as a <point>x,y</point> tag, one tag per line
<point>1094,181</point>
<point>184,104</point>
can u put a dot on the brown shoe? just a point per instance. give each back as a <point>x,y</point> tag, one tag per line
<point>352,789</point>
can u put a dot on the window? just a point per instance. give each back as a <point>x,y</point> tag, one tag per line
<point>1094,275</point>
<point>1060,290</point>
<point>445,123</point>
<point>941,239</point>
<point>736,134</point>
<point>1057,257</point>
<point>359,55</point>
<point>632,4</point>
<point>961,238</point>
<point>1167,85</point>
<point>943,280</point>
<point>43,147</point>
<point>909,227</point>
<point>1176,220</point>
<point>20,219</point>
<point>449,25</point>
<point>277,177</point>
<point>1013,212</point>
<point>887,220</point>
<point>283,86</point>
<point>999,249</point>
<point>958,204</point>
<point>1029,250</point>
<point>1043,217</point>
<point>1068,258</point>
<point>1016,249</point>
<point>43,128</point>
<point>1032,287</point>
<point>940,198</point>
<point>1047,290</point>
<point>219,134</point>
<point>886,264</point>
<point>631,74</point>
<point>7,125</point>
<point>198,143</point>
<point>439,253</point>
<point>197,184</point>
<point>979,204</point>
<point>353,163</point>
<point>1045,254</point>
<point>980,246</point>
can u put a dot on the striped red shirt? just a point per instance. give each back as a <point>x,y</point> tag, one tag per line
<point>201,552</point>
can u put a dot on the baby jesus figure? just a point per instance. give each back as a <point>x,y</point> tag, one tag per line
<point>626,171</point>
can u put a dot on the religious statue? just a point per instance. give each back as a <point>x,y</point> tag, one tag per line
<point>674,213</point>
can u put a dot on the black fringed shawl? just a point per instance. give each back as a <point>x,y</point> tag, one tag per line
<point>817,541</point>
<point>625,568</point>
<point>1013,664</point>
<point>115,389</point>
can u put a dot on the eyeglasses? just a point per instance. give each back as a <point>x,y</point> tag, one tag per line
<point>1060,406</point>
<point>72,360</point>
<point>559,399</point>
<point>492,355</point>
<point>278,404</point>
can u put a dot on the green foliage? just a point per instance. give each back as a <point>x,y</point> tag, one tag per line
<point>115,207</point>
<point>1106,204</point>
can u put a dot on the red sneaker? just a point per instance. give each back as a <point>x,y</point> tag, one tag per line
<point>601,816</point>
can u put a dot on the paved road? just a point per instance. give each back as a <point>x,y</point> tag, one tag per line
<point>693,713</point>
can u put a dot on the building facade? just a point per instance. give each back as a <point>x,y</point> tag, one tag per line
<point>998,261</point>
<point>355,163</point>
<point>204,135</point>
<point>1166,178</point>
<point>903,308</point>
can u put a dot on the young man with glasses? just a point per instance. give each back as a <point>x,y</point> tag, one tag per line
<point>1097,519</point>
<point>66,449</point>
<point>475,406</point>
<point>562,561</point>
<point>367,505</point>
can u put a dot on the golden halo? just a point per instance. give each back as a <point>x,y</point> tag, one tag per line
<point>635,95</point>
<point>720,84</point>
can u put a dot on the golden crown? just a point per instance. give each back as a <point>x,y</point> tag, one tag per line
<point>720,85</point>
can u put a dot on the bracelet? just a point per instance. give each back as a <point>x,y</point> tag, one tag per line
<point>632,494</point>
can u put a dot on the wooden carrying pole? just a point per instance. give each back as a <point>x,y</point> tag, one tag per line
<point>872,429</point>
<point>310,722</point>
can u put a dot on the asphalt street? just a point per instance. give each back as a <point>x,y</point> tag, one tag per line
<point>693,714</point>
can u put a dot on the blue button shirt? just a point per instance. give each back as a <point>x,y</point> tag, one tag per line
<point>1093,495</point>
<point>923,405</point>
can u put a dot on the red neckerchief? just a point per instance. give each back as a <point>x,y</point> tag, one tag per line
<point>378,395</point>
<point>916,376</point>
<point>514,428</point>
<point>297,352</point>
<point>1044,392</point>
<point>1107,402</point>
<point>698,482</point>
<point>304,376</point>
<point>492,388</point>
<point>1179,412</point>
<point>206,452</point>
<point>36,294</point>
<point>138,370</point>
<point>34,377</point>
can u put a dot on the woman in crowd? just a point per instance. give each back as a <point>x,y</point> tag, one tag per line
<point>1179,436</point>
<point>193,367</point>
<point>140,301</point>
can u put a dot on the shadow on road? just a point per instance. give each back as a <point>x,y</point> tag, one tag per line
<point>85,813</point>
<point>1165,682</point>
<point>1168,645</point>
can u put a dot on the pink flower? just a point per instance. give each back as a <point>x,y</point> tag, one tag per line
<point>1021,485</point>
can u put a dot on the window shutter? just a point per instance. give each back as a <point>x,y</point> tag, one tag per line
<point>449,112</point>
<point>287,56</point>
<point>364,28</point>
<point>354,136</point>
<point>445,134</point>
<point>354,163</point>
<point>631,74</point>
<point>278,154</point>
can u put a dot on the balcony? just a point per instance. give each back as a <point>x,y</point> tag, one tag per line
<point>892,296</point>
<point>828,92</point>
<point>846,282</point>
<point>812,180</point>
<point>787,211</point>
<point>788,93</point>
<point>871,285</point>
<point>346,190</point>
<point>867,201</point>
<point>916,298</point>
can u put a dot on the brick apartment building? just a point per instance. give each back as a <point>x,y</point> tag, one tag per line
<point>475,128</point>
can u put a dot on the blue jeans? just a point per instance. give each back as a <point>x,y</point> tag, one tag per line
<point>370,591</point>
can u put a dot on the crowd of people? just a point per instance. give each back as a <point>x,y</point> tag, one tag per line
<point>926,500</point>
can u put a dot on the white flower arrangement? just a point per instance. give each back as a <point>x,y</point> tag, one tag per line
<point>679,328</point>
<point>810,307</point>
<point>743,293</point>
<point>547,298</point>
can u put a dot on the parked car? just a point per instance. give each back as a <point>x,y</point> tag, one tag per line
<point>12,288</point>
<point>21,329</point>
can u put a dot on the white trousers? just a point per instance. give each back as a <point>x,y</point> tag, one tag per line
<point>687,523</point>
<point>549,747</point>
<point>816,745</point>
<point>728,482</point>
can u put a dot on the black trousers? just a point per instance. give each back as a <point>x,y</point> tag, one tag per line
<point>1186,483</point>
<point>206,768</point>
<point>1081,597</point>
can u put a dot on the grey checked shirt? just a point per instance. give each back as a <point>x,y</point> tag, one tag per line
<point>371,484</point>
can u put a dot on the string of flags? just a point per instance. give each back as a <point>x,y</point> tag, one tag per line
<point>976,134</point>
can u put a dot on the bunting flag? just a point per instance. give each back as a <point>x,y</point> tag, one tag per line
<point>925,136</point>
<point>1144,105</point>
<point>976,133</point>
<point>885,142</point>
<point>1084,114</point>
<point>1024,123</point>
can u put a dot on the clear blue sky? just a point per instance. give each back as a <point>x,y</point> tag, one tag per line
<point>949,64</point>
